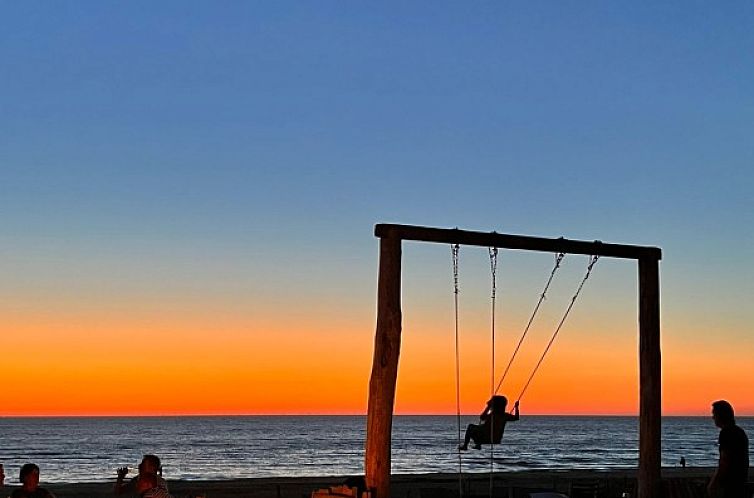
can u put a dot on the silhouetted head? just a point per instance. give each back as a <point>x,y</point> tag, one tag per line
<point>29,476</point>
<point>722,413</point>
<point>498,403</point>
<point>150,464</point>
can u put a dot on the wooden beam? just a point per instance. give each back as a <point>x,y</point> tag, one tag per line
<point>650,380</point>
<point>493,239</point>
<point>387,345</point>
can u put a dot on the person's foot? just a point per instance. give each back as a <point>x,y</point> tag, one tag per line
<point>463,447</point>
<point>477,446</point>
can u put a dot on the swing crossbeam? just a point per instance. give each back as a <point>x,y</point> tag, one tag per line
<point>522,242</point>
<point>388,339</point>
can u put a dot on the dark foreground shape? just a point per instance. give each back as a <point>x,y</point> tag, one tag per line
<point>676,483</point>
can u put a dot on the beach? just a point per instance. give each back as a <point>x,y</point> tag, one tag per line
<point>677,483</point>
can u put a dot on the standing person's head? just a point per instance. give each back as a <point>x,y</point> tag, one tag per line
<point>150,464</point>
<point>29,476</point>
<point>722,413</point>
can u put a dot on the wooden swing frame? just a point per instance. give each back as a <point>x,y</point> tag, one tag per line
<point>388,339</point>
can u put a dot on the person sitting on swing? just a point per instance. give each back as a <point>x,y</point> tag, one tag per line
<point>493,420</point>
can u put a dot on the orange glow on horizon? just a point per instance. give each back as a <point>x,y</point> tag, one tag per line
<point>97,365</point>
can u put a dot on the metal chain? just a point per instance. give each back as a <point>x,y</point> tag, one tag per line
<point>493,272</point>
<point>455,249</point>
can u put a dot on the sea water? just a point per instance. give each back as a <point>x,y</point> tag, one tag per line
<point>90,449</point>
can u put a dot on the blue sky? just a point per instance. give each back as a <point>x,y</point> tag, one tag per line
<point>244,150</point>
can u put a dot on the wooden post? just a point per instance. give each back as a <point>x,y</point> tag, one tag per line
<point>650,380</point>
<point>387,345</point>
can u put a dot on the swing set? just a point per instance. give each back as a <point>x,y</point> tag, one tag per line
<point>388,332</point>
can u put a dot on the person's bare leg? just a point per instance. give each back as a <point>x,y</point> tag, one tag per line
<point>467,438</point>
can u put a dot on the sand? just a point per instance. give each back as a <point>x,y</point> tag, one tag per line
<point>677,482</point>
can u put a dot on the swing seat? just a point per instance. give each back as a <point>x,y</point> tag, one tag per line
<point>496,439</point>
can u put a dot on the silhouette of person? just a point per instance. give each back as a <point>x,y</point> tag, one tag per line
<point>148,486</point>
<point>493,420</point>
<point>2,475</point>
<point>729,480</point>
<point>150,464</point>
<point>29,478</point>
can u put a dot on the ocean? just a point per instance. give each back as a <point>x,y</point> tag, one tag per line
<point>90,449</point>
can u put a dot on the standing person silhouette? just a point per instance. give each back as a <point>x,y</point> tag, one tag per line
<point>493,420</point>
<point>729,480</point>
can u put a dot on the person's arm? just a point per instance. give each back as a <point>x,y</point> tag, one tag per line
<point>515,416</point>
<point>723,466</point>
<point>713,484</point>
<point>120,485</point>
<point>713,488</point>
<point>486,413</point>
<point>722,471</point>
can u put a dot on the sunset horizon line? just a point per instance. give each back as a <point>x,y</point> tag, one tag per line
<point>328,414</point>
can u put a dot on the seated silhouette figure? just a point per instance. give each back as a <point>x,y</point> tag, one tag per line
<point>493,420</point>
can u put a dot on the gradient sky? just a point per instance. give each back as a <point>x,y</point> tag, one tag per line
<point>188,192</point>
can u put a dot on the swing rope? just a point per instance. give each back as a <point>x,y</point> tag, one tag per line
<point>454,251</point>
<point>592,261</point>
<point>558,259</point>
<point>493,272</point>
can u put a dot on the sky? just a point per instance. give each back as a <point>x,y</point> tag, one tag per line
<point>188,193</point>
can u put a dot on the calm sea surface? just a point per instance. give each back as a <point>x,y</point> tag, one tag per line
<point>90,449</point>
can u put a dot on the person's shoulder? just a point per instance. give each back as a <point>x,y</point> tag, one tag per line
<point>741,433</point>
<point>732,435</point>
<point>733,430</point>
